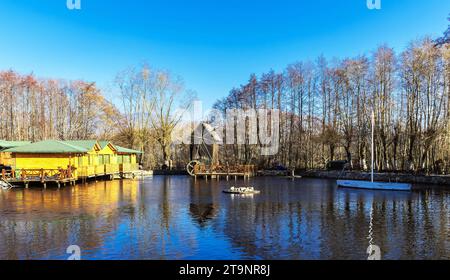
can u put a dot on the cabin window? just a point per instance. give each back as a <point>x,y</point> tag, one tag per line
<point>80,161</point>
<point>107,159</point>
<point>126,159</point>
<point>101,159</point>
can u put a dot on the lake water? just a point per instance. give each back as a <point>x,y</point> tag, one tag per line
<point>171,218</point>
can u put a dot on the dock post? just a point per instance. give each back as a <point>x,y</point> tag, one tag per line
<point>42,175</point>
<point>26,185</point>
<point>45,186</point>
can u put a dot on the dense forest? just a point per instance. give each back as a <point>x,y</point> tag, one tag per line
<point>325,108</point>
<point>35,109</point>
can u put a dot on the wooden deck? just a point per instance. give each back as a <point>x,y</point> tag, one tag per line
<point>217,172</point>
<point>63,177</point>
<point>59,177</point>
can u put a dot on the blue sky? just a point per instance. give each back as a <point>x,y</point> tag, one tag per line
<point>213,44</point>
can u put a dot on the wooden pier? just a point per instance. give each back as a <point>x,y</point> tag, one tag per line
<point>65,162</point>
<point>25,177</point>
<point>63,177</point>
<point>219,171</point>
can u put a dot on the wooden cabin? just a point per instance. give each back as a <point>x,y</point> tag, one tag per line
<point>87,164</point>
<point>108,157</point>
<point>68,161</point>
<point>101,159</point>
<point>48,157</point>
<point>127,160</point>
<point>5,158</point>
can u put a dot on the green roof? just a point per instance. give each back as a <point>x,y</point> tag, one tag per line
<point>86,144</point>
<point>60,147</point>
<point>126,151</point>
<point>49,147</point>
<point>12,144</point>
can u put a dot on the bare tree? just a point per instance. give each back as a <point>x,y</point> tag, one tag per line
<point>150,99</point>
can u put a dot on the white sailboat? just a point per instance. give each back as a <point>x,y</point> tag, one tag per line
<point>372,185</point>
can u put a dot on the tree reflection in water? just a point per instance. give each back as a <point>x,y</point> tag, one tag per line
<point>178,218</point>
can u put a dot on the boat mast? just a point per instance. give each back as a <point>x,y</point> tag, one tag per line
<point>373,144</point>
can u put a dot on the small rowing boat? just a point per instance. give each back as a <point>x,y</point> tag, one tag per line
<point>243,190</point>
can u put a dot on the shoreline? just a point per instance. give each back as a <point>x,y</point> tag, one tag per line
<point>442,180</point>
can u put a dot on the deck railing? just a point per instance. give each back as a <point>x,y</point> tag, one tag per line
<point>98,170</point>
<point>38,174</point>
<point>59,175</point>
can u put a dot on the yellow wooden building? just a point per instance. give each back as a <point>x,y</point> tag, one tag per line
<point>78,159</point>
<point>107,156</point>
<point>127,159</point>
<point>51,156</point>
<point>98,161</point>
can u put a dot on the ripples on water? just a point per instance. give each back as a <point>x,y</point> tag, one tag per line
<point>175,218</point>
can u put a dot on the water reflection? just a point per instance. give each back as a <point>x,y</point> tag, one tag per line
<point>203,206</point>
<point>177,218</point>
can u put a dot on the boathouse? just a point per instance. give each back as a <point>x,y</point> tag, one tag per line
<point>69,161</point>
<point>127,159</point>
<point>89,165</point>
<point>107,157</point>
<point>47,157</point>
